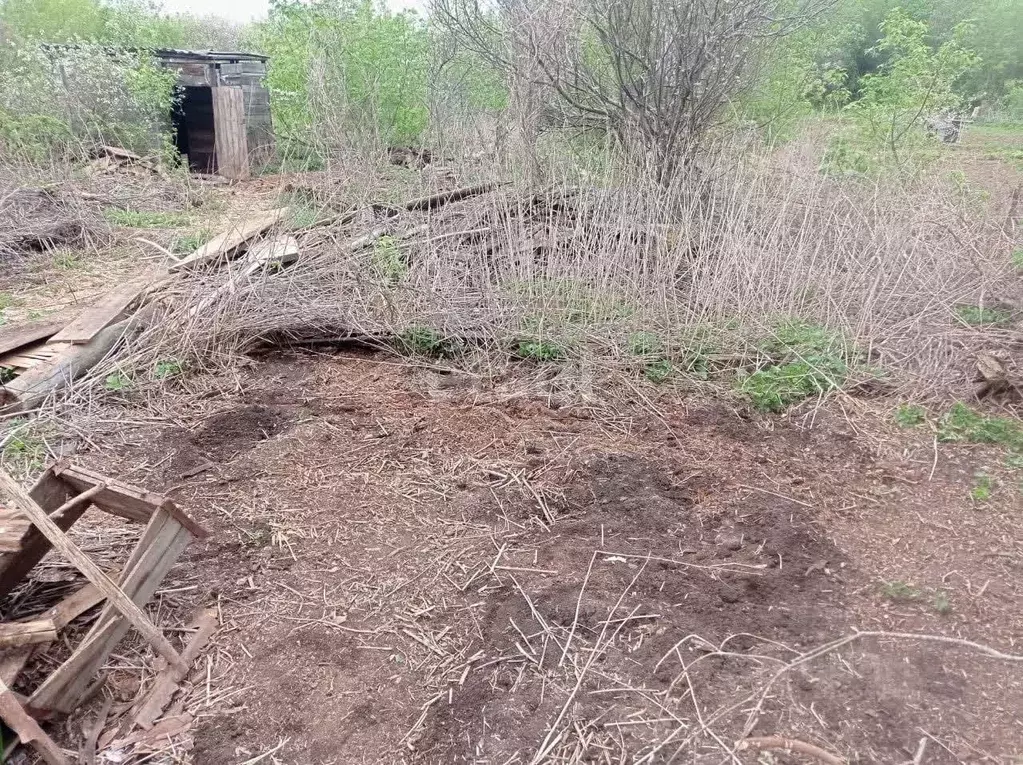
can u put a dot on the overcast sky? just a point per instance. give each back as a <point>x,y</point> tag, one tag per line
<point>247,10</point>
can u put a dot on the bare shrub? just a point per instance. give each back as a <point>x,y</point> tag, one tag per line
<point>655,74</point>
<point>577,272</point>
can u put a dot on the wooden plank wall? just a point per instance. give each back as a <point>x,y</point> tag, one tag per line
<point>248,75</point>
<point>229,126</point>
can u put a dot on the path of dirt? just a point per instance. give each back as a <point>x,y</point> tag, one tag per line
<point>414,572</point>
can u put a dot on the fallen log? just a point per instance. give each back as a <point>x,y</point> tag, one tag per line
<point>437,200</point>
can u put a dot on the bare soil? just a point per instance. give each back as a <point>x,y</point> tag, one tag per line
<point>414,570</point>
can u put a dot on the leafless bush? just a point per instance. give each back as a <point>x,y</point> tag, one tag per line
<point>583,271</point>
<point>655,74</point>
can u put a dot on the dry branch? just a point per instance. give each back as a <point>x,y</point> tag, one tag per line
<point>28,730</point>
<point>762,743</point>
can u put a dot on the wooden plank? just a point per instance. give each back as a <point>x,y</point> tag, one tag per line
<point>128,608</point>
<point>34,385</point>
<point>77,603</point>
<point>15,634</point>
<point>13,661</point>
<point>103,312</point>
<point>124,500</point>
<point>229,129</point>
<point>279,251</point>
<point>49,493</point>
<point>18,336</point>
<point>13,528</point>
<point>28,730</point>
<point>64,687</point>
<point>227,242</point>
<point>169,677</point>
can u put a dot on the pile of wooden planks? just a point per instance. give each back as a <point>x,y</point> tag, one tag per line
<point>40,357</point>
<point>34,522</point>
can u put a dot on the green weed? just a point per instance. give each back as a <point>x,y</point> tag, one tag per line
<point>67,260</point>
<point>941,603</point>
<point>1017,259</point>
<point>978,316</point>
<point>7,300</point>
<point>899,591</point>
<point>7,374</point>
<point>910,415</point>
<point>960,423</point>
<point>117,382</point>
<point>143,219</point>
<point>983,487</point>
<point>644,344</point>
<point>303,215</point>
<point>189,243</point>
<point>388,260</point>
<point>539,351</point>
<point>25,451</point>
<point>658,372</point>
<point>168,368</point>
<point>424,341</point>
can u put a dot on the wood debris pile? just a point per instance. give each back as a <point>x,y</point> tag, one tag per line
<point>34,522</point>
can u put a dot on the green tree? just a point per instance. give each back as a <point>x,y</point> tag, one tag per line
<point>914,82</point>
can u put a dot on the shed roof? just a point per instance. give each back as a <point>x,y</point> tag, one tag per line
<point>173,54</point>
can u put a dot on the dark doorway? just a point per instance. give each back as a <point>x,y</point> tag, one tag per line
<point>194,131</point>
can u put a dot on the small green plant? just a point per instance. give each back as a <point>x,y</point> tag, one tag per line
<point>143,219</point>
<point>979,316</point>
<point>941,603</point>
<point>117,382</point>
<point>168,368</point>
<point>960,423</point>
<point>899,591</point>
<point>388,260</point>
<point>189,243</point>
<point>659,371</point>
<point>25,449</point>
<point>644,344</point>
<point>67,260</point>
<point>304,215</point>
<point>538,350</point>
<point>424,341</point>
<point>910,415</point>
<point>1017,259</point>
<point>7,300</point>
<point>7,374</point>
<point>983,487</point>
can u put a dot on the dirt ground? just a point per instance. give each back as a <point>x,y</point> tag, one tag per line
<point>410,569</point>
<point>413,565</point>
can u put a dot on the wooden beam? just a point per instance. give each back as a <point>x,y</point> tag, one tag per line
<point>49,493</point>
<point>28,730</point>
<point>14,634</point>
<point>169,677</point>
<point>161,544</point>
<point>128,608</point>
<point>124,500</point>
<point>18,336</point>
<point>225,244</point>
<point>229,132</point>
<point>103,312</point>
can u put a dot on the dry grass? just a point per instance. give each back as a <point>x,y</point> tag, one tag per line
<point>601,271</point>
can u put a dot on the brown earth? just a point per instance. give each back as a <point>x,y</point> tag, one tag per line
<point>411,570</point>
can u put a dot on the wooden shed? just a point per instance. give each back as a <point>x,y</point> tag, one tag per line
<point>222,120</point>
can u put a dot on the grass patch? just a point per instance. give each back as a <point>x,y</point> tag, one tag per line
<point>900,591</point>
<point>977,316</point>
<point>804,360</point>
<point>424,341</point>
<point>142,219</point>
<point>388,260</point>
<point>189,243</point>
<point>25,449</point>
<point>983,487</point>
<point>67,260</point>
<point>910,415</point>
<point>1017,259</point>
<point>538,351</point>
<point>962,424</point>
<point>659,372</point>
